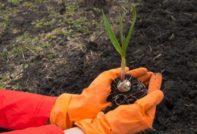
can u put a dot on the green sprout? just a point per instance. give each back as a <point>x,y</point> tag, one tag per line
<point>124,41</point>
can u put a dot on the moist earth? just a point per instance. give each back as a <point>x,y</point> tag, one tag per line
<point>117,97</point>
<point>44,51</point>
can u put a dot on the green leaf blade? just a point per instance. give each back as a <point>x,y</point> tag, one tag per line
<point>111,34</point>
<point>122,37</point>
<point>131,30</point>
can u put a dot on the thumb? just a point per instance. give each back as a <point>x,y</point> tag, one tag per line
<point>107,77</point>
<point>151,100</point>
<point>113,73</point>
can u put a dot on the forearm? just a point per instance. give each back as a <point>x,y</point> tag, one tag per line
<point>19,110</point>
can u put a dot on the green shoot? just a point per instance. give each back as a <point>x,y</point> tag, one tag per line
<point>111,34</point>
<point>121,47</point>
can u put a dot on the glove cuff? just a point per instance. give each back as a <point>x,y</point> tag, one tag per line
<point>59,113</point>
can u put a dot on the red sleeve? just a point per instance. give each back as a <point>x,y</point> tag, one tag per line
<point>19,110</point>
<point>47,129</point>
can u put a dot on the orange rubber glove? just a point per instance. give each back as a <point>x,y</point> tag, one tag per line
<point>127,119</point>
<point>70,108</point>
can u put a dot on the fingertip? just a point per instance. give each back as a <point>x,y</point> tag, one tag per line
<point>151,73</point>
<point>149,76</point>
<point>117,71</point>
<point>111,74</point>
<point>146,77</point>
<point>158,75</point>
<point>127,69</point>
<point>146,81</point>
<point>138,72</point>
<point>143,69</point>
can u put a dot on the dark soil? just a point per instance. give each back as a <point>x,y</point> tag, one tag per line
<point>137,91</point>
<point>165,40</point>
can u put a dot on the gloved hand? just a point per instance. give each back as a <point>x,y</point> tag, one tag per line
<point>70,108</point>
<point>127,119</point>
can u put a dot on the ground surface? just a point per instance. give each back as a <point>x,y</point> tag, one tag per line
<point>49,48</point>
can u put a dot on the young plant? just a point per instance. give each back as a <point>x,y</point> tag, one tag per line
<point>124,85</point>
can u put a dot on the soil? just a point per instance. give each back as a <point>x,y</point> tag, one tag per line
<point>137,91</point>
<point>47,52</point>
